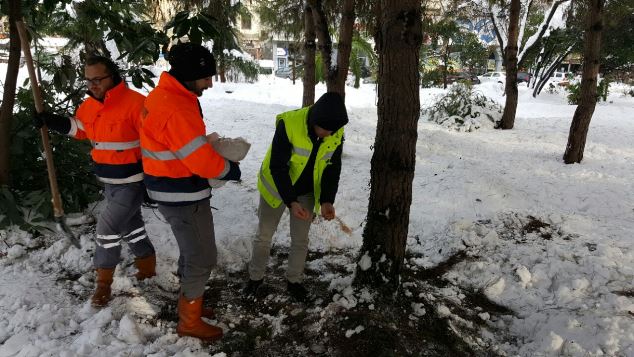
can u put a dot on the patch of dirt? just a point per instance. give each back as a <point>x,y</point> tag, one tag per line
<point>439,270</point>
<point>274,324</point>
<point>628,293</point>
<point>523,229</point>
<point>534,225</point>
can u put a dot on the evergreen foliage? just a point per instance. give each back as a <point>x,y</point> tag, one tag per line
<point>115,29</point>
<point>463,109</point>
<point>574,92</point>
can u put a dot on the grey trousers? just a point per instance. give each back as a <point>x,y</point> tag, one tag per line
<point>269,218</point>
<point>193,227</point>
<point>121,220</point>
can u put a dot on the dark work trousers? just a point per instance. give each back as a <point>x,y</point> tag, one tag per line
<point>193,227</point>
<point>121,220</point>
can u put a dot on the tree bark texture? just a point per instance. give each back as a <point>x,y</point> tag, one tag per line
<point>394,158</point>
<point>583,113</point>
<point>8,97</point>
<point>510,89</point>
<point>310,47</point>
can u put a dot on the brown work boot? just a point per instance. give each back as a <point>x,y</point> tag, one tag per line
<point>190,324</point>
<point>146,267</point>
<point>101,297</point>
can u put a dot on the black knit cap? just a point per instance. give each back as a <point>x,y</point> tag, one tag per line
<point>190,62</point>
<point>329,112</point>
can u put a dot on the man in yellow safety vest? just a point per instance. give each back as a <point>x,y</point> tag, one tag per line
<point>300,171</point>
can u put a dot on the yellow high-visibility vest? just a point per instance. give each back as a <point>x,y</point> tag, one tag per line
<point>297,132</point>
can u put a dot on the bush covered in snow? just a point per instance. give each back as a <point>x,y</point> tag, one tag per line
<point>464,109</point>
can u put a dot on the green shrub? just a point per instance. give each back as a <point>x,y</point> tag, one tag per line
<point>431,78</point>
<point>603,89</point>
<point>464,109</point>
<point>27,201</point>
<point>574,92</point>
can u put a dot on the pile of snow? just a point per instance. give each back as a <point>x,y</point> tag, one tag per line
<point>560,285</point>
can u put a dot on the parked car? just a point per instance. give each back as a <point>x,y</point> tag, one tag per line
<point>561,79</point>
<point>523,77</point>
<point>462,76</point>
<point>499,77</point>
<point>287,72</point>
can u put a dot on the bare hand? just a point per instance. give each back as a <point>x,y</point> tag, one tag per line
<point>327,211</point>
<point>300,212</point>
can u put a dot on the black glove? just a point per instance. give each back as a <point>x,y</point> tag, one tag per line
<point>234,172</point>
<point>56,122</point>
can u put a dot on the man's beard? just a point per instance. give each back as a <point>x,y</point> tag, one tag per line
<point>191,86</point>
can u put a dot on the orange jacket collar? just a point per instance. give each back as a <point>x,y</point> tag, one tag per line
<point>171,84</point>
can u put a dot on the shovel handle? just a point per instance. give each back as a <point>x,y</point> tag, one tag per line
<point>58,211</point>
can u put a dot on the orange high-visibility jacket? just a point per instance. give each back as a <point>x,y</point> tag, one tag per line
<point>113,129</point>
<point>177,159</point>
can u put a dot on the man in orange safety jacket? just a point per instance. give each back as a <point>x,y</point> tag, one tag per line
<point>178,161</point>
<point>110,118</point>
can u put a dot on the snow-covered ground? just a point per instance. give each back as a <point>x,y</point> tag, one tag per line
<point>549,241</point>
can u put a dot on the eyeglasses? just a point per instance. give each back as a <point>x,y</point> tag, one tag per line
<point>96,81</point>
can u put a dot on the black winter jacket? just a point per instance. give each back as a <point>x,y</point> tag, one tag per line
<point>281,151</point>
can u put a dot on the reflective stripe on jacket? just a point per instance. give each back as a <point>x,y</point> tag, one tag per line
<point>177,159</point>
<point>113,129</point>
<point>295,123</point>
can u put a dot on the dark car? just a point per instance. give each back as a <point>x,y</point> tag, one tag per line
<point>523,77</point>
<point>462,77</point>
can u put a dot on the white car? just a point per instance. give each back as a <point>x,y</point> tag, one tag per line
<point>499,77</point>
<point>561,79</point>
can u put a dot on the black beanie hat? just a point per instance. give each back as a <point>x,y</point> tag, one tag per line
<point>190,62</point>
<point>329,112</point>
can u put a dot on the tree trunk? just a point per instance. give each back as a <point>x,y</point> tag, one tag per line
<point>335,75</point>
<point>393,162</point>
<point>309,57</point>
<point>583,114</point>
<point>293,69</point>
<point>496,30</point>
<point>540,66</point>
<point>510,89</point>
<point>549,72</point>
<point>8,97</point>
<point>325,43</point>
<point>344,46</point>
<point>446,65</point>
<point>222,73</point>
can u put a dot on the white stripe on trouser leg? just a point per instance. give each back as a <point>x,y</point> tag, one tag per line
<point>108,237</point>
<point>136,235</point>
<point>109,245</point>
<point>137,238</point>
<point>138,230</point>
